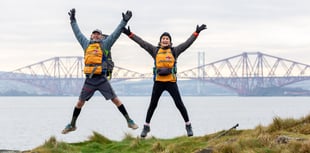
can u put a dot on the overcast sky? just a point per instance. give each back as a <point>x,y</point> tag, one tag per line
<point>35,30</point>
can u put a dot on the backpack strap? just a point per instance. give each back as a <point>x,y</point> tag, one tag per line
<point>108,64</point>
<point>173,70</point>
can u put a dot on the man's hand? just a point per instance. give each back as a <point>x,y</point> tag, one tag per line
<point>200,28</point>
<point>126,31</point>
<point>72,14</point>
<point>127,16</point>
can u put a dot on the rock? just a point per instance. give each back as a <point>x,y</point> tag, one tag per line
<point>207,150</point>
<point>282,139</point>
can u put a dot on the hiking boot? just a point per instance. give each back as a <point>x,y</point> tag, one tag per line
<point>145,130</point>
<point>189,130</point>
<point>132,124</point>
<point>68,129</point>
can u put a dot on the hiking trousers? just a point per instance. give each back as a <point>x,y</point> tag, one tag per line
<point>172,88</point>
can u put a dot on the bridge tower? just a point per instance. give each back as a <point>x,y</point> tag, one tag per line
<point>201,61</point>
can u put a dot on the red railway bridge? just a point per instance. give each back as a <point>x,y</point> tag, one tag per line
<point>244,73</point>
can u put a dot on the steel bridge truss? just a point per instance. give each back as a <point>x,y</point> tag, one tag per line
<point>243,73</point>
<point>61,75</point>
<point>246,72</point>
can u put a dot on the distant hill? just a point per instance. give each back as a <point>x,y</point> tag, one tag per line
<point>144,88</point>
<point>186,87</point>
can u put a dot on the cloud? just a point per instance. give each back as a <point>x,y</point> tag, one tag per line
<point>35,30</point>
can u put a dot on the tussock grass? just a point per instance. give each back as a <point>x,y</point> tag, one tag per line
<point>281,136</point>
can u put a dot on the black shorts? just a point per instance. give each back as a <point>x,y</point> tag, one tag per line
<point>97,82</point>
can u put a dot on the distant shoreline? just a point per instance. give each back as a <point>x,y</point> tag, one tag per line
<point>9,151</point>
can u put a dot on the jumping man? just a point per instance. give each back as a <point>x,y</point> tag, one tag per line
<point>98,67</point>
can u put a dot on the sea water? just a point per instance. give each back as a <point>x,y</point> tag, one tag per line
<point>27,122</point>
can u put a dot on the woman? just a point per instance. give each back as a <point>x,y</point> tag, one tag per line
<point>165,57</point>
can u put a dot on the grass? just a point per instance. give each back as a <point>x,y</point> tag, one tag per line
<point>281,136</point>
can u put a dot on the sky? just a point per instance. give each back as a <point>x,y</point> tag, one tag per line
<point>35,30</point>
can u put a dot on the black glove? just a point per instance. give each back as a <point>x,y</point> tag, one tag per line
<point>200,28</point>
<point>72,14</point>
<point>126,31</point>
<point>127,16</point>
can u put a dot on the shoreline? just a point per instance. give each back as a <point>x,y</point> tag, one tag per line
<point>9,151</point>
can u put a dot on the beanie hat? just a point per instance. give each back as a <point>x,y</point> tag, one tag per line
<point>165,34</point>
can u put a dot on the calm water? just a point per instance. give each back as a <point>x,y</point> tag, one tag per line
<point>26,122</point>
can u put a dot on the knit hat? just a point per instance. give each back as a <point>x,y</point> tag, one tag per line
<point>165,34</point>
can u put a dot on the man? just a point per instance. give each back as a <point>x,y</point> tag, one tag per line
<point>98,67</point>
<point>165,57</point>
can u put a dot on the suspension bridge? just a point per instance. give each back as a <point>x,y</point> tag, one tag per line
<point>246,74</point>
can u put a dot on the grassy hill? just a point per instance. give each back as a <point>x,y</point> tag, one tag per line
<point>281,136</point>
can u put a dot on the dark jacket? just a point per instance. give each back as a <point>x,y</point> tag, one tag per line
<point>152,50</point>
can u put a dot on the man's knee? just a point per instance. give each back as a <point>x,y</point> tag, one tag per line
<point>116,101</point>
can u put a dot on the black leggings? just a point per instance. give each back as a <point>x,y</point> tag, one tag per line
<point>172,88</point>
